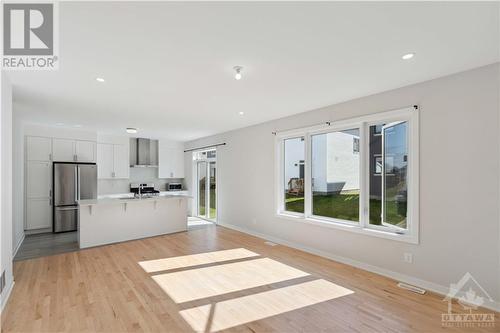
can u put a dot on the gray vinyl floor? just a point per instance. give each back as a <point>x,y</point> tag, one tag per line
<point>42,245</point>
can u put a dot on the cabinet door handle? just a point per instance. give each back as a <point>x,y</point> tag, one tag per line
<point>50,157</point>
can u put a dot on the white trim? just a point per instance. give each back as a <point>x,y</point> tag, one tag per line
<point>18,245</point>
<point>351,227</point>
<point>431,286</point>
<point>6,296</point>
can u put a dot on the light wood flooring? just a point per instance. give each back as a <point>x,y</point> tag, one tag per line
<point>211,279</point>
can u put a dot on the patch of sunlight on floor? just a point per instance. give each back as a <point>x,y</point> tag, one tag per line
<point>197,222</point>
<point>241,310</point>
<point>151,266</point>
<point>190,285</point>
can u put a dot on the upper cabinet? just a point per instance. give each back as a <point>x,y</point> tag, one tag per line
<point>112,161</point>
<point>67,150</point>
<point>38,148</point>
<point>60,150</point>
<point>85,151</point>
<point>104,161</point>
<point>121,167</point>
<point>170,159</point>
<point>63,150</point>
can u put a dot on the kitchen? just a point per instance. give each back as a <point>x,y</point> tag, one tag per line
<point>72,175</point>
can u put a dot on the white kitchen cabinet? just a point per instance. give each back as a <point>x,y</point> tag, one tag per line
<point>38,148</point>
<point>104,161</point>
<point>112,161</point>
<point>85,151</point>
<point>171,159</point>
<point>38,214</point>
<point>38,179</point>
<point>121,161</point>
<point>63,150</point>
<point>38,195</point>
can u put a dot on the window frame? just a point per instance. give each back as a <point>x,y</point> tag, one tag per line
<point>363,123</point>
<point>281,175</point>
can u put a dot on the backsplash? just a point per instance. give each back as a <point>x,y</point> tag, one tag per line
<point>137,175</point>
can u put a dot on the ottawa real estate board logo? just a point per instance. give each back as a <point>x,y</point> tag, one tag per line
<point>470,296</point>
<point>30,36</point>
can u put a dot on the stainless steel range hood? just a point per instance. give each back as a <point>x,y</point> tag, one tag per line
<point>143,153</point>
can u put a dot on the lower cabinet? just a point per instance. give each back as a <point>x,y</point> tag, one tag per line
<point>38,214</point>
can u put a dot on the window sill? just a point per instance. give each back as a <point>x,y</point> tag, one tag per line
<point>406,238</point>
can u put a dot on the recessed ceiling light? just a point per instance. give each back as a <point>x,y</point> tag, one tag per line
<point>77,125</point>
<point>131,130</point>
<point>59,124</point>
<point>241,113</point>
<point>238,70</point>
<point>99,79</point>
<point>408,56</point>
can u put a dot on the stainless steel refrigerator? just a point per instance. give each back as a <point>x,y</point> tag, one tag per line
<point>72,182</point>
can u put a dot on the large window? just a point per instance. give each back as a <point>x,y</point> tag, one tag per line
<point>359,174</point>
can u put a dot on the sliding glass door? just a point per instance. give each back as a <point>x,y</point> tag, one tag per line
<point>202,189</point>
<point>212,202</point>
<point>206,179</point>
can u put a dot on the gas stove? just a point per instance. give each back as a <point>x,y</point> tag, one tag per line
<point>144,190</point>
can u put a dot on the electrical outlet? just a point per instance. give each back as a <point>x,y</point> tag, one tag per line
<point>408,257</point>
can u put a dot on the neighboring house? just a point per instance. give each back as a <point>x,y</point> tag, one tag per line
<point>335,162</point>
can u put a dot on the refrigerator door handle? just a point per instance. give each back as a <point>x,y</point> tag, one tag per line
<point>68,208</point>
<point>78,184</point>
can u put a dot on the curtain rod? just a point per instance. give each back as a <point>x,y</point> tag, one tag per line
<point>328,123</point>
<point>199,148</point>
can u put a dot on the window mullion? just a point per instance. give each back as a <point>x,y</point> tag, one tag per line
<point>307,177</point>
<point>364,176</point>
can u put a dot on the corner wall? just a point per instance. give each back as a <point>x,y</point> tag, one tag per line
<point>459,177</point>
<point>6,187</point>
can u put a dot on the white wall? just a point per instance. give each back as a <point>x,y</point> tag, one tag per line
<point>6,186</point>
<point>459,178</point>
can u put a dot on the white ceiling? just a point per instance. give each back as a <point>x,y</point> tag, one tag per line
<point>168,66</point>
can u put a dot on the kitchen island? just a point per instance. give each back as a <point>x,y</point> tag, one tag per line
<point>111,220</point>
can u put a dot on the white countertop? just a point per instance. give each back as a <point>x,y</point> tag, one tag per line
<point>129,197</point>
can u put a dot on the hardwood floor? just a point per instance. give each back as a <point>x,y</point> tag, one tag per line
<point>211,279</point>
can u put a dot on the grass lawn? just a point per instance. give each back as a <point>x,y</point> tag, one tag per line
<point>342,206</point>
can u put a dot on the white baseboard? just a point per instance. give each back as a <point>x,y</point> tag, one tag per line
<point>431,286</point>
<point>18,245</point>
<point>6,296</point>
